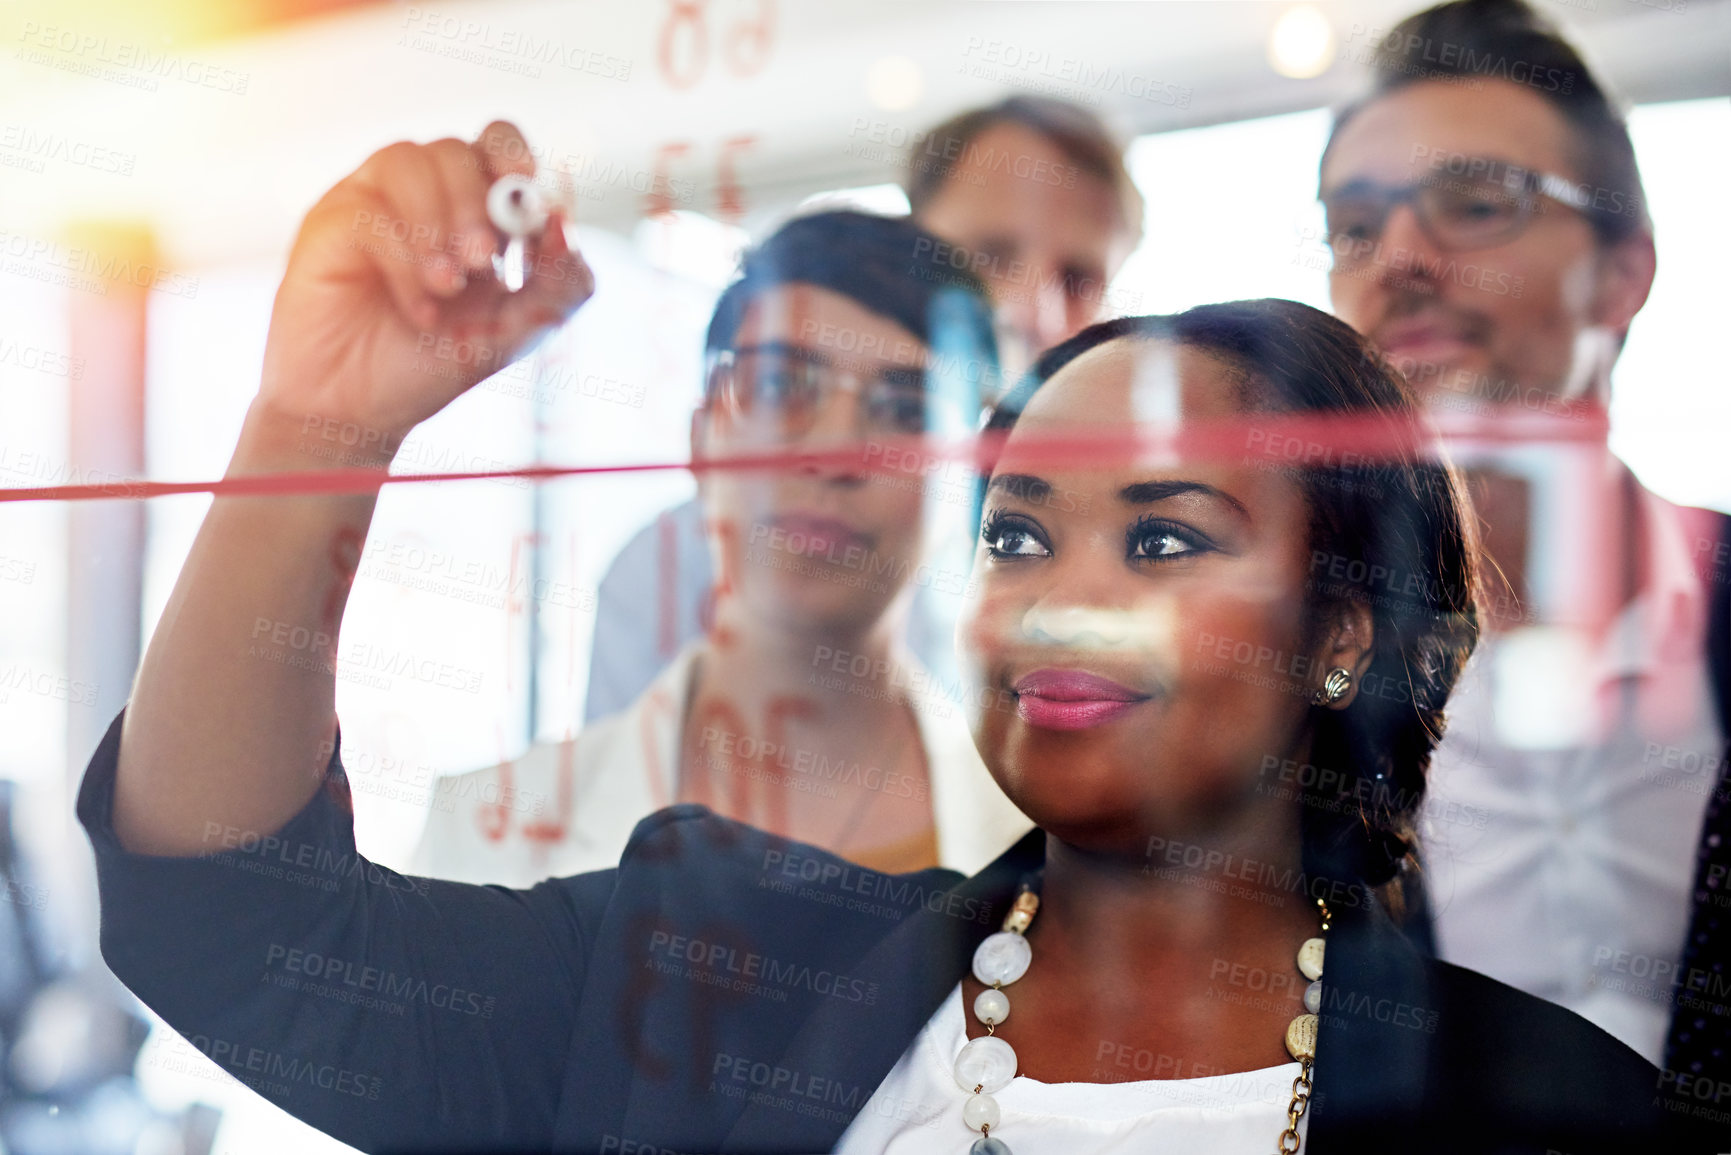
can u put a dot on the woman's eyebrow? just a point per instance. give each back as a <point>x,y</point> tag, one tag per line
<point>1025,486</point>
<point>1147,492</point>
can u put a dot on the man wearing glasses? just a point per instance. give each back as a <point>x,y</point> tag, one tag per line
<point>1490,235</point>
<point>800,709</point>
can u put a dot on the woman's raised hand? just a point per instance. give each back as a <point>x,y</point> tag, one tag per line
<point>390,307</point>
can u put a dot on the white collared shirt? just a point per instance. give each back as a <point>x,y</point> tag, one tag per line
<point>1566,800</point>
<point>568,807</point>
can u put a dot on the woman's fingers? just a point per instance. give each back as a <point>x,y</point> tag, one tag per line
<point>472,240</point>
<point>501,149</point>
<point>560,278</point>
<point>407,226</point>
<point>416,216</point>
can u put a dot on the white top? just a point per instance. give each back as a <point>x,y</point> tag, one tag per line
<point>1566,801</point>
<point>568,807</point>
<point>917,1109</point>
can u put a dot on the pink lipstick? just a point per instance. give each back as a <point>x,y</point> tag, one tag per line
<point>1071,699</point>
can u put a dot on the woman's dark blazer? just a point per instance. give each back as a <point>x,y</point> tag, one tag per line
<point>726,990</point>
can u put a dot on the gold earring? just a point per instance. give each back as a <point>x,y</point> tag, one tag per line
<point>1334,687</point>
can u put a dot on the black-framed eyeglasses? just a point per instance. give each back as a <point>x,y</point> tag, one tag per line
<point>1484,204</point>
<point>778,390</point>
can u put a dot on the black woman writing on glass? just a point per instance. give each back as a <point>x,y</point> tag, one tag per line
<point>1191,952</point>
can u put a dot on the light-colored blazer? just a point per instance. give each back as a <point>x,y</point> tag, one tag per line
<point>568,807</point>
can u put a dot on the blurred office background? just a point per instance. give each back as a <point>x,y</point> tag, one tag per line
<point>154,166</point>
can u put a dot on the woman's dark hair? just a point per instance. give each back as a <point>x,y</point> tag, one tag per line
<point>885,264</point>
<point>1388,530</point>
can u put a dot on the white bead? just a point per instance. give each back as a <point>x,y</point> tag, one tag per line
<point>1002,958</point>
<point>992,1007</point>
<point>980,1112</point>
<point>1310,958</point>
<point>1313,997</point>
<point>988,1063</point>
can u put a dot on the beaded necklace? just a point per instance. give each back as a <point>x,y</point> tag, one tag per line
<point>986,1065</point>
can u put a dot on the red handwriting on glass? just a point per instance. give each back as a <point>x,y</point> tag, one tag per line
<point>553,829</point>
<point>781,708</point>
<point>682,48</point>
<point>749,41</point>
<point>658,711</point>
<point>633,1005</point>
<point>725,584</point>
<point>667,585</point>
<point>494,818</point>
<point>659,200</point>
<point>345,559</point>
<point>718,716</point>
<point>684,25</point>
<point>729,199</point>
<point>522,562</point>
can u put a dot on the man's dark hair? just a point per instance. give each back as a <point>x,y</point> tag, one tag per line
<point>883,263</point>
<point>1475,40</point>
<point>1077,133</point>
<point>1395,535</point>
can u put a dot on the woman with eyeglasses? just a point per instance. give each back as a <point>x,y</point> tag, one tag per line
<point>820,365</point>
<point>1222,594</point>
